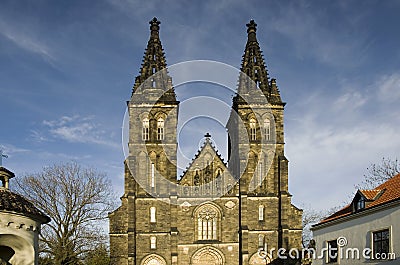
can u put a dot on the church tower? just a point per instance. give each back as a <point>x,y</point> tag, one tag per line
<point>217,212</point>
<point>256,158</point>
<point>150,168</point>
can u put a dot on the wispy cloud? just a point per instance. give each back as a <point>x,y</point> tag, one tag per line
<point>26,41</point>
<point>12,150</point>
<point>77,129</point>
<point>389,87</point>
<point>350,100</point>
<point>308,29</point>
<point>339,136</point>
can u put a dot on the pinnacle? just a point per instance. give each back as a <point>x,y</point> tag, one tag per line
<point>253,65</point>
<point>251,30</point>
<point>154,24</point>
<point>154,65</point>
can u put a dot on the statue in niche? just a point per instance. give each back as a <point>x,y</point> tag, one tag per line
<point>196,180</point>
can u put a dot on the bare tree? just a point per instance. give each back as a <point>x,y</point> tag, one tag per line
<point>379,173</point>
<point>311,217</point>
<point>77,200</point>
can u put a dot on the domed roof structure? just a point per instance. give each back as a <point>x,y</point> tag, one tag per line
<point>13,202</point>
<point>20,224</point>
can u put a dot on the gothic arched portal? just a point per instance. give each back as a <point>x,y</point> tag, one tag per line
<point>208,256</point>
<point>153,259</point>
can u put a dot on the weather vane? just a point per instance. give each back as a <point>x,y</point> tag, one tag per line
<point>1,157</point>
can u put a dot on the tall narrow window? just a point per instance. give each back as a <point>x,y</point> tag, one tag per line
<point>153,242</point>
<point>260,241</point>
<point>267,130</point>
<point>261,213</point>
<point>152,214</point>
<point>160,129</point>
<point>153,83</point>
<point>332,251</point>
<point>152,177</point>
<point>260,173</point>
<point>145,130</point>
<point>253,129</point>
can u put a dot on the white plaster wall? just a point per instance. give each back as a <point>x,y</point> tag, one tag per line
<point>358,233</point>
<point>22,235</point>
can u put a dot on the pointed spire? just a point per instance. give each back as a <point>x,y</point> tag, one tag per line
<point>154,62</point>
<point>253,65</point>
<point>154,57</point>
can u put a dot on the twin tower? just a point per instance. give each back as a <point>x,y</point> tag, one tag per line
<point>216,213</point>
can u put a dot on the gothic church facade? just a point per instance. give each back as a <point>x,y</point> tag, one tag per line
<point>217,213</point>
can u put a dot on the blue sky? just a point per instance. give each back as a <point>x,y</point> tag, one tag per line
<point>67,69</point>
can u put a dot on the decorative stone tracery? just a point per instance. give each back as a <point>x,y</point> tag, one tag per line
<point>153,259</point>
<point>208,256</point>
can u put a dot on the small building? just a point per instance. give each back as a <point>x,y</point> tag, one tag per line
<point>20,223</point>
<point>365,231</point>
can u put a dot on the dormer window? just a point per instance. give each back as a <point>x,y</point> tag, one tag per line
<point>360,204</point>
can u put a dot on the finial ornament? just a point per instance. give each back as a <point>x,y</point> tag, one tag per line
<point>207,135</point>
<point>251,26</point>
<point>154,24</point>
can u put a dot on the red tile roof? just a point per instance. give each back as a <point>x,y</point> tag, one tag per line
<point>384,193</point>
<point>370,194</point>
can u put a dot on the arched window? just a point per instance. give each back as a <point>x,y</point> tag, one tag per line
<point>267,129</point>
<point>152,214</point>
<point>208,220</point>
<point>145,129</point>
<point>253,129</point>
<point>160,129</point>
<point>261,213</point>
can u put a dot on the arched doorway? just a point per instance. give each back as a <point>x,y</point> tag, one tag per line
<point>16,250</point>
<point>208,256</point>
<point>153,259</point>
<point>6,253</point>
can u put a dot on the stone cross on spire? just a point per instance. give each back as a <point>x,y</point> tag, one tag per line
<point>1,157</point>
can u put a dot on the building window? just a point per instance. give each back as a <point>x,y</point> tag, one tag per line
<point>267,130</point>
<point>153,242</point>
<point>160,129</point>
<point>360,204</point>
<point>253,129</point>
<point>152,177</point>
<point>145,130</point>
<point>261,213</point>
<point>260,173</point>
<point>261,241</point>
<point>381,241</point>
<point>152,214</point>
<point>207,223</point>
<point>332,251</point>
